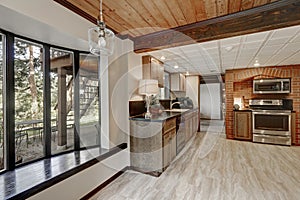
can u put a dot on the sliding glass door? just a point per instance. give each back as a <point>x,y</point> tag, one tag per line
<point>28,101</point>
<point>2,138</point>
<point>62,100</point>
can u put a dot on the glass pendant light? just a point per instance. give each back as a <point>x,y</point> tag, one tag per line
<point>101,39</point>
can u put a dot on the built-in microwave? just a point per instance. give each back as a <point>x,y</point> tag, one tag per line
<point>270,86</point>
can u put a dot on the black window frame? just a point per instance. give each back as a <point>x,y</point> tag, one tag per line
<point>9,100</point>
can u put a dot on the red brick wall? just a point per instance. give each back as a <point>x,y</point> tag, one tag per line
<point>238,83</point>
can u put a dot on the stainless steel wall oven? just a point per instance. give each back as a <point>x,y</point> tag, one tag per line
<point>271,121</point>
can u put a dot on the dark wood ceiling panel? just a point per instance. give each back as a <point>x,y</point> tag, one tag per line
<point>163,9</point>
<point>280,14</point>
<point>260,2</point>
<point>128,13</point>
<point>247,4</point>
<point>211,8</point>
<point>199,8</point>
<point>151,7</point>
<point>147,16</point>
<point>142,17</point>
<point>187,10</point>
<point>234,6</point>
<point>120,26</point>
<point>174,8</point>
<point>222,7</point>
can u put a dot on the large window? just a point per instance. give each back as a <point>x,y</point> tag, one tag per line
<point>1,102</point>
<point>62,100</point>
<point>89,101</point>
<point>41,94</point>
<point>28,101</point>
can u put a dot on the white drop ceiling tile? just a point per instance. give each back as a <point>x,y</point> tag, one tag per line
<point>195,56</point>
<point>270,49</point>
<point>228,57</point>
<point>252,46</point>
<point>247,53</point>
<point>277,41</point>
<point>278,58</point>
<point>256,37</point>
<point>209,45</point>
<point>295,46</point>
<point>295,59</point>
<point>296,39</point>
<point>230,41</point>
<point>285,32</point>
<point>210,51</point>
<point>231,52</point>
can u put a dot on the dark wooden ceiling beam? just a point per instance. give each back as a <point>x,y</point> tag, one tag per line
<point>276,15</point>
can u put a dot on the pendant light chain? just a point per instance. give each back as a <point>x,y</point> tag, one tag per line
<point>101,39</point>
<point>101,13</point>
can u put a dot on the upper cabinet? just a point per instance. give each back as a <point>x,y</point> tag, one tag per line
<point>177,82</point>
<point>153,69</point>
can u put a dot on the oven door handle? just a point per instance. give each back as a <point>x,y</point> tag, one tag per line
<point>277,136</point>
<point>271,113</point>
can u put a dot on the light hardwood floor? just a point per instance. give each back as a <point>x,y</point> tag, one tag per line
<point>211,167</point>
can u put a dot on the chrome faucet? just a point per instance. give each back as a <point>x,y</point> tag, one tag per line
<point>174,104</point>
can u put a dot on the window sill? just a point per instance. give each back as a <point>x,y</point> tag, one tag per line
<point>30,179</point>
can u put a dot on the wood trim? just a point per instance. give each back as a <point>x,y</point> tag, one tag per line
<point>271,16</point>
<point>77,10</point>
<point>103,185</point>
<point>87,16</point>
<point>9,99</point>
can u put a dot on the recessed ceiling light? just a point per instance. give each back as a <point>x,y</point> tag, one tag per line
<point>163,58</point>
<point>256,64</point>
<point>176,66</point>
<point>228,48</point>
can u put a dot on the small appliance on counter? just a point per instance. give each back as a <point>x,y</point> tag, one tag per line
<point>271,120</point>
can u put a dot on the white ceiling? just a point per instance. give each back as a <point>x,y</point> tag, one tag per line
<point>271,48</point>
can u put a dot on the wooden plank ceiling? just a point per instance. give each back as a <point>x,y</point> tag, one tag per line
<point>147,22</point>
<point>141,17</point>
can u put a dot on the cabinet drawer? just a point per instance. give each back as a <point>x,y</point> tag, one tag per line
<point>170,124</point>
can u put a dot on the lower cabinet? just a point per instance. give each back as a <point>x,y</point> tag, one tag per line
<point>169,147</point>
<point>169,142</point>
<point>155,144</point>
<point>293,127</point>
<point>243,125</point>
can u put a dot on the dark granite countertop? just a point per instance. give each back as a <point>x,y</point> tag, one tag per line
<point>167,114</point>
<point>157,118</point>
<point>243,110</point>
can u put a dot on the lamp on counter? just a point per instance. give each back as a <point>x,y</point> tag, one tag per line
<point>148,87</point>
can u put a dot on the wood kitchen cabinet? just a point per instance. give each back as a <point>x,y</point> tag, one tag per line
<point>153,69</point>
<point>177,82</point>
<point>293,127</point>
<point>155,143</point>
<point>243,125</point>
<point>169,142</point>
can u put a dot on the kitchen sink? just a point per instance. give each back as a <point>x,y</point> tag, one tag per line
<point>177,110</point>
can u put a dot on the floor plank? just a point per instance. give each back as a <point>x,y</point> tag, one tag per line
<point>212,167</point>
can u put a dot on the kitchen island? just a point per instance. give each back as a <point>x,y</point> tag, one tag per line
<point>155,142</point>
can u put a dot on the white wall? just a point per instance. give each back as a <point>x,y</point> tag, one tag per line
<point>45,20</point>
<point>210,101</point>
